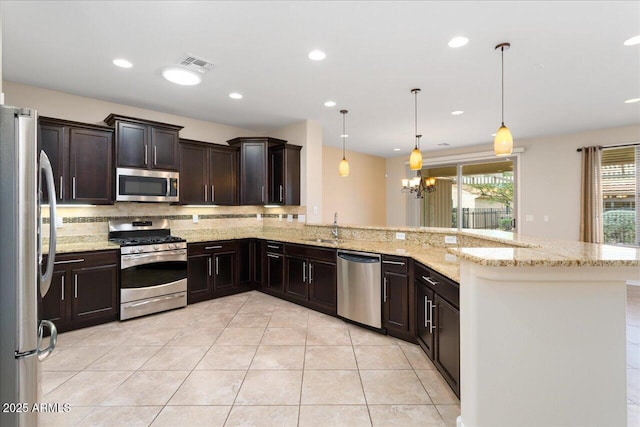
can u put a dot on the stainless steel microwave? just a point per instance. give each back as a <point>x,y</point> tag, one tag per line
<point>142,185</point>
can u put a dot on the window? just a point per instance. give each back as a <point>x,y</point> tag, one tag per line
<point>620,192</point>
<point>476,195</point>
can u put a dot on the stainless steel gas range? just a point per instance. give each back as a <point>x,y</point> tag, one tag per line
<point>153,267</point>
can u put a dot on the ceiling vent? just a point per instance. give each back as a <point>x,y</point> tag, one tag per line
<point>193,63</point>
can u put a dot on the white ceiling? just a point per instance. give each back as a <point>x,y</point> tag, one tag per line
<point>567,69</point>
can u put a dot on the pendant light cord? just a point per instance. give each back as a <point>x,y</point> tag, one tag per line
<point>343,134</point>
<point>416,117</point>
<point>502,58</point>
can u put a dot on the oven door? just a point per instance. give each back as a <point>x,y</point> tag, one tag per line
<point>152,274</point>
<point>139,185</point>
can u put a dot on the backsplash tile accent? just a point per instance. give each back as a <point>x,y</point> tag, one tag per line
<point>91,219</point>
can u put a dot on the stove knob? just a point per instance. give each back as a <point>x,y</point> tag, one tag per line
<point>172,246</point>
<point>155,247</point>
<point>137,250</point>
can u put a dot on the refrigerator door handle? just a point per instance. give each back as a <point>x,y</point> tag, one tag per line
<point>45,279</point>
<point>43,354</point>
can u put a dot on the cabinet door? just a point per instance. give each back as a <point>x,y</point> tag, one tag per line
<point>54,303</point>
<point>164,149</point>
<point>132,145</point>
<point>296,284</point>
<point>52,141</point>
<point>276,176</point>
<point>447,347</point>
<point>223,177</point>
<point>292,175</point>
<point>95,294</point>
<point>425,313</point>
<point>274,272</point>
<point>253,173</point>
<point>396,301</point>
<point>91,166</point>
<point>199,278</point>
<point>322,284</point>
<point>194,187</point>
<point>224,271</point>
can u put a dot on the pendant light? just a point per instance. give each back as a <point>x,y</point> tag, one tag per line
<point>503,142</point>
<point>415,159</point>
<point>343,169</point>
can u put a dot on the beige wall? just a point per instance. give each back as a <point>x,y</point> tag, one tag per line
<point>81,109</point>
<point>360,198</point>
<point>549,180</point>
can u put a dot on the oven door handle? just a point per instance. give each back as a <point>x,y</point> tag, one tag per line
<point>150,301</point>
<point>127,261</point>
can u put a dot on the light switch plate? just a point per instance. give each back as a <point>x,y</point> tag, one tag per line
<point>400,236</point>
<point>194,217</point>
<point>59,221</point>
<point>280,217</point>
<point>302,218</point>
<point>451,239</point>
<point>258,217</point>
<point>289,218</point>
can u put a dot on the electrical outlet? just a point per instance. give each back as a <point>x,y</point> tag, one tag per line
<point>280,217</point>
<point>59,221</point>
<point>400,236</point>
<point>289,218</point>
<point>451,239</point>
<point>302,218</point>
<point>450,258</point>
<point>546,218</point>
<point>194,218</point>
<point>258,216</point>
<point>315,210</point>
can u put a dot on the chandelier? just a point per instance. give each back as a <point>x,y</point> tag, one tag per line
<point>419,185</point>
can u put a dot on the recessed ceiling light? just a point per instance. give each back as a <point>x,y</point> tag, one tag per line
<point>344,135</point>
<point>493,134</point>
<point>330,104</point>
<point>457,112</point>
<point>396,149</point>
<point>181,76</point>
<point>122,63</point>
<point>632,41</point>
<point>317,55</point>
<point>458,41</point>
<point>632,100</point>
<point>444,144</point>
<point>235,95</point>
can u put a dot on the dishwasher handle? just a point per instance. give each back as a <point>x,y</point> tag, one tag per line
<point>359,258</point>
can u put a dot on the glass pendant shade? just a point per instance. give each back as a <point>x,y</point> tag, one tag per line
<point>415,160</point>
<point>503,142</point>
<point>343,168</point>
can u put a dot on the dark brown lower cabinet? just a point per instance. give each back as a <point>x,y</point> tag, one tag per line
<point>397,298</point>
<point>84,290</point>
<point>212,270</point>
<point>438,322</point>
<point>250,262</point>
<point>310,273</point>
<point>273,262</point>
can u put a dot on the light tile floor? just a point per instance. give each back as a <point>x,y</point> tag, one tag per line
<point>251,359</point>
<point>247,359</point>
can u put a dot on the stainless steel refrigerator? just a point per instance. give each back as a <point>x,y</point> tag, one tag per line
<point>24,170</point>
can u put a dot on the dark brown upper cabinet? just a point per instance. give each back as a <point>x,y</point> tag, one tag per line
<point>145,144</point>
<point>208,173</point>
<point>81,157</point>
<point>284,175</point>
<point>254,167</point>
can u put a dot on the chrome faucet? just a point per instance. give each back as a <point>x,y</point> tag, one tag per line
<point>334,230</point>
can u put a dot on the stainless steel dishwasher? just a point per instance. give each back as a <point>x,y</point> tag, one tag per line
<point>359,287</point>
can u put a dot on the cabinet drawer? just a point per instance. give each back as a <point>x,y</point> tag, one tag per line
<point>86,259</point>
<point>211,247</point>
<point>314,252</point>
<point>394,264</point>
<point>443,286</point>
<point>271,246</point>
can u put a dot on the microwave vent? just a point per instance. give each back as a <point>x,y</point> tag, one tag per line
<point>193,63</point>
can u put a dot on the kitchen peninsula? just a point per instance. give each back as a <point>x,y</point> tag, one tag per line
<point>542,322</point>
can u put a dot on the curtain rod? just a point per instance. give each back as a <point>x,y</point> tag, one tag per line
<point>633,144</point>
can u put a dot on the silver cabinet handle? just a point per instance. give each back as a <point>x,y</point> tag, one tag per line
<point>213,193</point>
<point>310,273</point>
<point>61,185</point>
<point>430,281</point>
<point>281,193</point>
<point>205,192</point>
<point>304,272</point>
<point>273,247</point>
<point>213,247</point>
<point>146,162</point>
<point>273,256</point>
<point>426,316</point>
<point>384,294</point>
<point>393,262</point>
<point>217,270</point>
<point>75,285</point>
<point>62,289</point>
<point>155,155</point>
<point>262,194</point>
<point>71,261</point>
<point>431,325</point>
<point>209,262</point>
<point>73,188</point>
